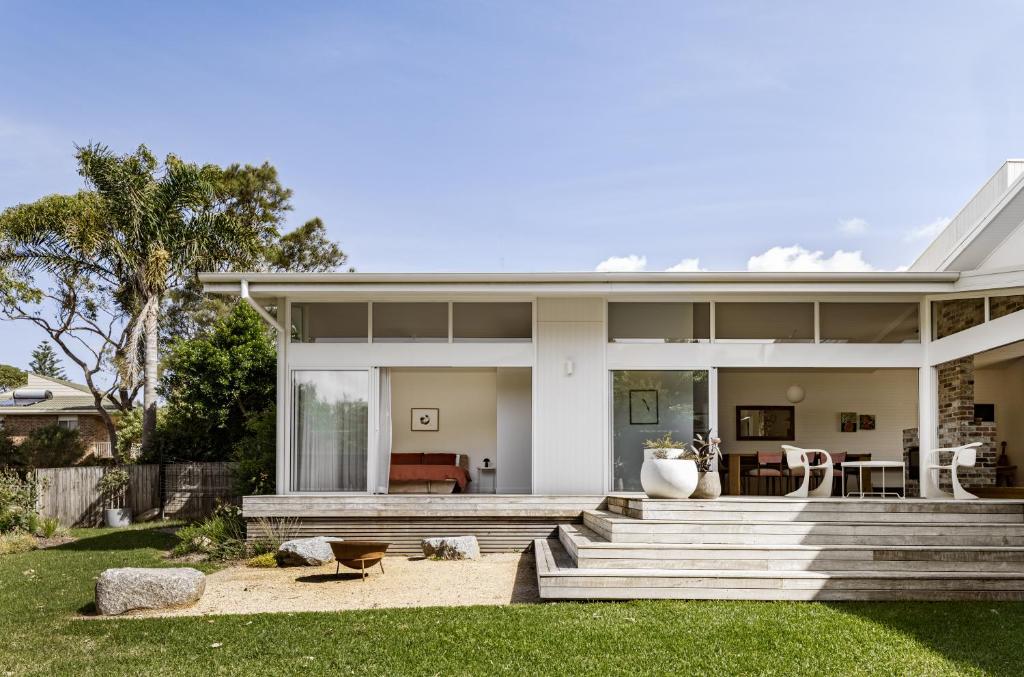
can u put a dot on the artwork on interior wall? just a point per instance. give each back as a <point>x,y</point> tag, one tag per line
<point>767,422</point>
<point>425,420</point>
<point>643,407</point>
<point>847,422</point>
<point>867,421</point>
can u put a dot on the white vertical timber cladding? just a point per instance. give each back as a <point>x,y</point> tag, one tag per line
<point>284,313</point>
<point>569,448</point>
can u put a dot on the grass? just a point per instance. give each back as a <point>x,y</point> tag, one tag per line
<point>42,591</point>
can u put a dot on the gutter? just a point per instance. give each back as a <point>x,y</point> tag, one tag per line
<point>270,319</point>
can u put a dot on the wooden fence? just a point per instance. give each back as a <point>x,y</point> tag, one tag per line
<point>191,491</point>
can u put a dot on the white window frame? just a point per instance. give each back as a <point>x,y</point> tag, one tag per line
<point>62,420</point>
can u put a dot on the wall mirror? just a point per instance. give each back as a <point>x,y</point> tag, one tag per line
<point>765,423</point>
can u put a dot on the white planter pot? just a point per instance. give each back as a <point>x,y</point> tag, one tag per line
<point>668,477</point>
<point>117,517</point>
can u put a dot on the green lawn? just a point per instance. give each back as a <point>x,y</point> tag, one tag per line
<point>42,591</point>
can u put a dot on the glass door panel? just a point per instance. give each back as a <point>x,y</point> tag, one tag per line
<point>329,430</point>
<point>648,404</point>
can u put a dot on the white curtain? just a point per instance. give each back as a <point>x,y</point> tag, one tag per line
<point>330,438</point>
<point>384,432</point>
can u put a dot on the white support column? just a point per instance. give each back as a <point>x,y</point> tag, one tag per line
<point>928,405</point>
<point>284,311</point>
<point>713,401</point>
<point>817,322</point>
<point>711,318</point>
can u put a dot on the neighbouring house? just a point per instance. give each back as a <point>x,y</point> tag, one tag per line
<point>46,401</point>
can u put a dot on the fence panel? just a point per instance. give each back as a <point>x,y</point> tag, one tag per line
<point>192,490</point>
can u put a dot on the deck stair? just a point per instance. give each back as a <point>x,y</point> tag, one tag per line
<point>774,548</point>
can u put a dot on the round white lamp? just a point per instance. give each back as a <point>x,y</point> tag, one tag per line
<point>795,394</point>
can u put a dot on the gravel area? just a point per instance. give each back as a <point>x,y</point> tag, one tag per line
<point>496,579</point>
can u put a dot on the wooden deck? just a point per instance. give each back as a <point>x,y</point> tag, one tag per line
<point>501,522</point>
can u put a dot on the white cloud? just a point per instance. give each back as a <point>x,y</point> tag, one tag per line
<point>622,264</point>
<point>686,266</point>
<point>927,231</point>
<point>854,226</point>
<point>798,259</point>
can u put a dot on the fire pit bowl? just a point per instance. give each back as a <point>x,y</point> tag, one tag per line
<point>359,555</point>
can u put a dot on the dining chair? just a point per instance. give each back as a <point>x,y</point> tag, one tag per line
<point>769,469</point>
<point>839,475</point>
<point>799,461</point>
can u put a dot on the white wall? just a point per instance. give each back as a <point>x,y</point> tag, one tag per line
<point>515,430</point>
<point>570,424</point>
<point>1003,385</point>
<point>889,394</point>
<point>1009,253</point>
<point>467,399</point>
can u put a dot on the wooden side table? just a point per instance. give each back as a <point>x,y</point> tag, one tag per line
<point>490,471</point>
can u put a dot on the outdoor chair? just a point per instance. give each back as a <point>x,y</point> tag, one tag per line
<point>964,456</point>
<point>839,483</point>
<point>799,461</point>
<point>769,469</point>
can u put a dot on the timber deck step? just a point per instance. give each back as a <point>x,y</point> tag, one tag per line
<point>558,578</point>
<point>589,550</point>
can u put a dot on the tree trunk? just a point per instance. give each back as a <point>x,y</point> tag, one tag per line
<point>150,375</point>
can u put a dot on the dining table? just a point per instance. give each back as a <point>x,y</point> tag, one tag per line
<point>737,458</point>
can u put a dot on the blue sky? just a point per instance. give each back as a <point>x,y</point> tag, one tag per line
<point>527,136</point>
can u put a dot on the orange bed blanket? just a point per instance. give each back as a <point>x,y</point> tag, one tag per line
<point>431,473</point>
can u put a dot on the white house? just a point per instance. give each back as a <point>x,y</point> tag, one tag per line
<point>543,374</point>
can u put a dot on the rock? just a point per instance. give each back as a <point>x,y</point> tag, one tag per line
<point>451,547</point>
<point>306,551</point>
<point>120,590</point>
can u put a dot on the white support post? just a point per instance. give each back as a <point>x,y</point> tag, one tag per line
<point>283,399</point>
<point>928,406</point>
<point>817,322</point>
<point>713,401</point>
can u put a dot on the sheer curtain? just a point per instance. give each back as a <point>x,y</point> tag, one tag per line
<point>384,432</point>
<point>330,430</point>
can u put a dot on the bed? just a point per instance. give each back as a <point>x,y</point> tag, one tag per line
<point>428,473</point>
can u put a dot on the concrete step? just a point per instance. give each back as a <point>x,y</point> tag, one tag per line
<point>817,510</point>
<point>618,529</point>
<point>557,578</point>
<point>589,551</point>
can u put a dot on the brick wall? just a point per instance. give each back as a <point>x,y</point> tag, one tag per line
<point>911,439</point>
<point>90,428</point>
<point>957,425</point>
<point>1000,306</point>
<point>955,315</point>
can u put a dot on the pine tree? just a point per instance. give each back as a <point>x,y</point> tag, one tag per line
<point>44,362</point>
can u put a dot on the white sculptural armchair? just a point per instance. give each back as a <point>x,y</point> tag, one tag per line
<point>964,456</point>
<point>798,459</point>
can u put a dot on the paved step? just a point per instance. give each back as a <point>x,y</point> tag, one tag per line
<point>557,578</point>
<point>818,510</point>
<point>589,551</point>
<point>619,529</point>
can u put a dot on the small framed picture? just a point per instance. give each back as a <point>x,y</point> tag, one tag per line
<point>643,407</point>
<point>425,420</point>
<point>867,421</point>
<point>847,422</point>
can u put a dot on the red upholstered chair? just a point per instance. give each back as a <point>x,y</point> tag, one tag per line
<point>769,471</point>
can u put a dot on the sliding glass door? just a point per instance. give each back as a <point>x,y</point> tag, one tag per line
<point>329,430</point>
<point>649,404</point>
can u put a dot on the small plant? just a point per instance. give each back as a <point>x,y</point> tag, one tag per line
<point>660,446</point>
<point>221,536</point>
<point>17,542</point>
<point>17,502</point>
<point>49,527</point>
<point>706,453</point>
<point>266,560</point>
<point>113,486</point>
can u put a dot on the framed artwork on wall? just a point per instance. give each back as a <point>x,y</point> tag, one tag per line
<point>847,422</point>
<point>425,419</point>
<point>867,421</point>
<point>643,407</point>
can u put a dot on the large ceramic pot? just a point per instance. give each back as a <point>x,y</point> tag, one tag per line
<point>117,517</point>
<point>709,485</point>
<point>667,477</point>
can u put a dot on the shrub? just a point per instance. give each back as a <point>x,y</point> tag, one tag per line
<point>51,447</point>
<point>49,527</point>
<point>265,560</point>
<point>17,542</point>
<point>17,502</point>
<point>221,536</point>
<point>256,454</point>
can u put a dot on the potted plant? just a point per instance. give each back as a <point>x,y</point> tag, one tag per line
<point>669,471</point>
<point>114,487</point>
<point>707,454</point>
